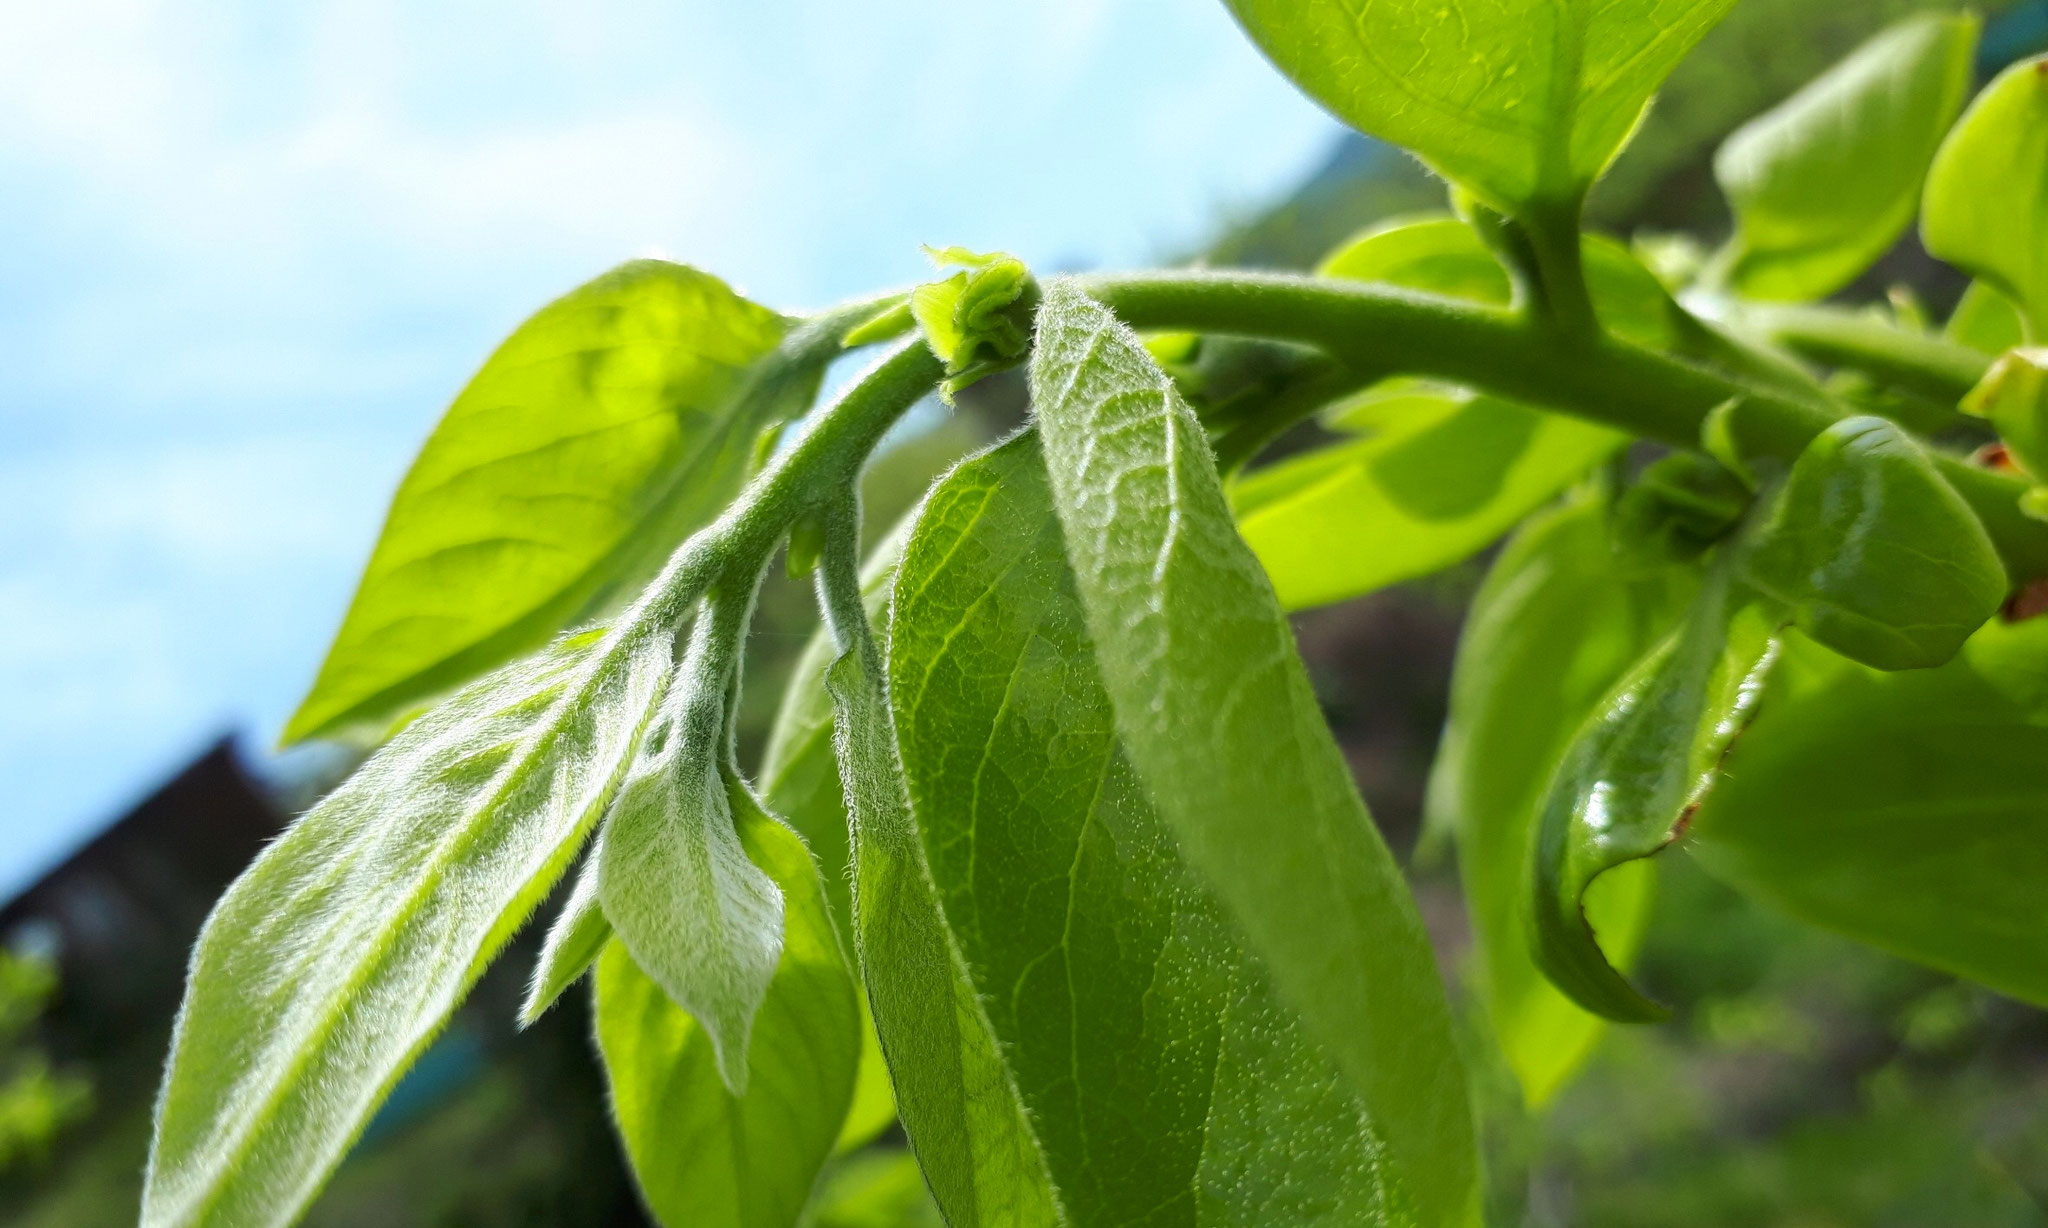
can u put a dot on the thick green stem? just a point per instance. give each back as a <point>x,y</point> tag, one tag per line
<point>1556,249</point>
<point>1650,395</point>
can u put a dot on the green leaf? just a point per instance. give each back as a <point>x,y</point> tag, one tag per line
<point>1986,208</point>
<point>704,1156</point>
<point>1431,491</point>
<point>882,1189</point>
<point>1874,552</point>
<point>697,914</point>
<point>1909,810</point>
<point>1630,778</point>
<point>1554,627</point>
<point>971,1138</point>
<point>601,433</point>
<point>1825,182</point>
<point>800,779</point>
<point>573,943</point>
<point>1986,321</point>
<point>332,962</point>
<point>1164,1079</point>
<point>1517,100</point>
<point>1217,717</point>
<point>2013,396</point>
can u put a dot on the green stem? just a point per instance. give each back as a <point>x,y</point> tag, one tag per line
<point>1556,249</point>
<point>1650,395</point>
<point>822,462</point>
<point>1832,337</point>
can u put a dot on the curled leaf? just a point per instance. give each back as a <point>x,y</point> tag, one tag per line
<point>1632,777</point>
<point>573,943</point>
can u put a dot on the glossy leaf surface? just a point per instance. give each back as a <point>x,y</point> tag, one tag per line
<point>608,426</point>
<point>1552,630</point>
<point>1217,717</point>
<point>1631,777</point>
<point>682,895</point>
<point>1909,810</point>
<point>333,961</point>
<point>1518,100</point>
<point>1825,182</point>
<point>704,1157</point>
<point>962,1116</point>
<point>1165,1080</point>
<point>1986,208</point>
<point>1874,552</point>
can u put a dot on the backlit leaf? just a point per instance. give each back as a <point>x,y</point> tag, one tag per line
<point>705,1157</point>
<point>573,943</point>
<point>1985,320</point>
<point>1517,100</point>
<point>1986,208</point>
<point>1165,1080</point>
<point>610,425</point>
<point>1554,627</point>
<point>1825,182</point>
<point>1909,810</point>
<point>1215,713</point>
<point>333,961</point>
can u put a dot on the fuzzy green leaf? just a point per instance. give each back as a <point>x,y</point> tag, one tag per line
<point>1874,552</point>
<point>1986,207</point>
<point>1215,712</point>
<point>333,961</point>
<point>1165,1080</point>
<point>1630,779</point>
<point>1517,100</point>
<point>1554,627</point>
<point>1825,182</point>
<point>961,1115</point>
<point>573,943</point>
<point>697,914</point>
<point>1909,810</point>
<point>704,1156</point>
<point>610,425</point>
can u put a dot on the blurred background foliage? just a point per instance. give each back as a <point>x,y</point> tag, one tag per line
<point>1805,1079</point>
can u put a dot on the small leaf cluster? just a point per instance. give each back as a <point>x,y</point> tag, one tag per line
<point>1052,857</point>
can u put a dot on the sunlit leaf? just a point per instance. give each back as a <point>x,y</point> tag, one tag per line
<point>1986,207</point>
<point>1985,320</point>
<point>1555,626</point>
<point>1518,100</point>
<point>1909,810</point>
<point>573,944</point>
<point>703,1156</point>
<point>1164,1078</point>
<point>963,1119</point>
<point>610,425</point>
<point>333,961</point>
<point>1215,713</point>
<point>1825,182</point>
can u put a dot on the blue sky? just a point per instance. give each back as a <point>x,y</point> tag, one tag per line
<point>249,250</point>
